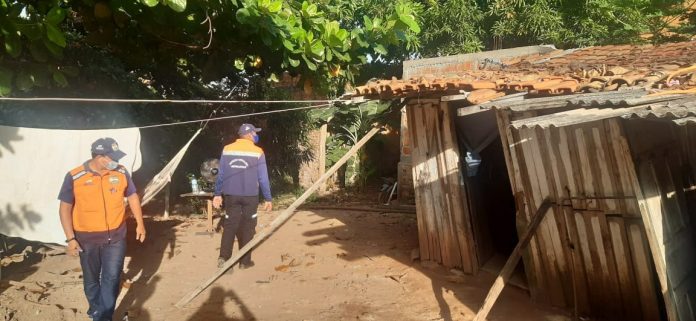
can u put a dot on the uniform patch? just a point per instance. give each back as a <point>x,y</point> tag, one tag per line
<point>239,163</point>
<point>114,180</point>
<point>89,182</point>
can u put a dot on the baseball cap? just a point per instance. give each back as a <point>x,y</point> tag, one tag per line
<point>247,128</point>
<point>109,147</point>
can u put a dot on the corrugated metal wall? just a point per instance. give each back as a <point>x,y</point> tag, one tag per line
<point>663,154</point>
<point>592,252</point>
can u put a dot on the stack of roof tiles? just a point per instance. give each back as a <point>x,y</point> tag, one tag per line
<point>592,69</point>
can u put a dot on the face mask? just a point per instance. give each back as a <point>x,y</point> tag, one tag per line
<point>112,165</point>
<point>256,139</point>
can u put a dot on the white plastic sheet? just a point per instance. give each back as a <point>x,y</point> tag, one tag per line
<point>33,164</point>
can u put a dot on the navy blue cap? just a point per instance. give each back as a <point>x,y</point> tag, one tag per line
<point>109,147</point>
<point>247,128</point>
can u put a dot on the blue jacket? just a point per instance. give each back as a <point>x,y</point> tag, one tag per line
<point>243,170</point>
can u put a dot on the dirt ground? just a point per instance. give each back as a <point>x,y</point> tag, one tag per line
<point>321,265</point>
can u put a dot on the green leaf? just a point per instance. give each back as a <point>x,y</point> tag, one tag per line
<point>150,3</point>
<point>56,15</point>
<point>243,15</point>
<point>410,21</point>
<point>294,62</point>
<point>318,49</point>
<point>55,35</point>
<point>381,50</point>
<point>31,30</point>
<point>6,76</point>
<point>312,66</point>
<point>176,5</point>
<point>275,6</point>
<point>60,79</point>
<point>272,78</point>
<point>368,23</point>
<point>239,64</point>
<point>13,45</point>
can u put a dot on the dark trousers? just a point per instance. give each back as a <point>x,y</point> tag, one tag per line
<point>240,221</point>
<point>101,271</point>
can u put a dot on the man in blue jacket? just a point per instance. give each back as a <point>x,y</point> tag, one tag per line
<point>242,171</point>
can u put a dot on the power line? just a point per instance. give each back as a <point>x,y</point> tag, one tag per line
<point>238,116</point>
<point>168,101</point>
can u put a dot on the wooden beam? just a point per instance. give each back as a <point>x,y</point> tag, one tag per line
<point>511,263</point>
<point>280,220</point>
<point>454,97</point>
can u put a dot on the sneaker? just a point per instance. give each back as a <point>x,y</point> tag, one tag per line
<point>221,262</point>
<point>244,266</point>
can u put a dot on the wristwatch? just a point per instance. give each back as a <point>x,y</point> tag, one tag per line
<point>70,239</point>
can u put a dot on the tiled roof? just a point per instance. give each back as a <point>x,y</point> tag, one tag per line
<point>592,69</point>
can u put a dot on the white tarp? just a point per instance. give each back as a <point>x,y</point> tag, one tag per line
<point>164,177</point>
<point>33,164</point>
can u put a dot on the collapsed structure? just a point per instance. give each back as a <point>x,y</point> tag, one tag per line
<point>607,133</point>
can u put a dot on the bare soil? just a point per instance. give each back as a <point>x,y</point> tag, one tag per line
<point>321,265</point>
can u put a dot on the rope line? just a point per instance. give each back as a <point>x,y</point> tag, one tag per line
<point>168,101</point>
<point>237,116</point>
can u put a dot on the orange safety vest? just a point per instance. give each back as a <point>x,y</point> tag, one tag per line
<point>99,200</point>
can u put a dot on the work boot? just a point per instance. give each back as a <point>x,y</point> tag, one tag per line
<point>244,266</point>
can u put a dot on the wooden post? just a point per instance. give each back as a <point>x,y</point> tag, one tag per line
<point>167,193</point>
<point>509,266</point>
<point>279,221</point>
<point>321,157</point>
<point>210,216</point>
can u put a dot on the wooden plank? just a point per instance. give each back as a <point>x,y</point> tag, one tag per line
<point>454,97</point>
<point>282,218</point>
<point>438,185</point>
<point>510,145</point>
<point>545,168</point>
<point>538,188</point>
<point>433,185</point>
<point>644,272</point>
<point>463,212</point>
<point>581,290</point>
<point>506,139</point>
<point>414,117</point>
<point>209,213</point>
<point>588,260</point>
<point>626,275</point>
<point>451,206</point>
<point>536,275</point>
<point>512,261</point>
<point>599,170</point>
<point>624,154</point>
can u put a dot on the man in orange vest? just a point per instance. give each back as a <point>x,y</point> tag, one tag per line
<point>93,215</point>
<point>241,174</point>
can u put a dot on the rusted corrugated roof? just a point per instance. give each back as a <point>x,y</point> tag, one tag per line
<point>593,69</point>
<point>679,109</point>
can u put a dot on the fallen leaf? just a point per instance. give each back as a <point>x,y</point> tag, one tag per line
<point>282,268</point>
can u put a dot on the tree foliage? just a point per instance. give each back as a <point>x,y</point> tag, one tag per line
<point>201,41</point>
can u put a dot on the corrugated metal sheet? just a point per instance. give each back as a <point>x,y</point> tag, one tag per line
<point>595,240</point>
<point>640,107</point>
